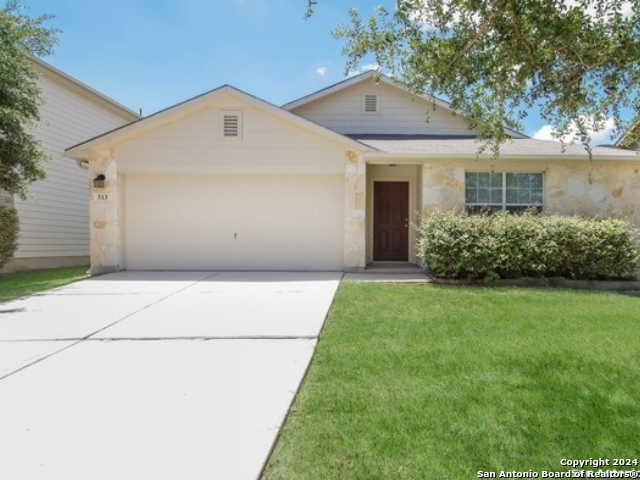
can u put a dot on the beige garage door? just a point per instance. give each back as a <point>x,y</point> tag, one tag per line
<point>233,222</point>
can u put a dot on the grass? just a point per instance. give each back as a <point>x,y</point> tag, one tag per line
<point>15,285</point>
<point>427,382</point>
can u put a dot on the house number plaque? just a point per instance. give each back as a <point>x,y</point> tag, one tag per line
<point>101,197</point>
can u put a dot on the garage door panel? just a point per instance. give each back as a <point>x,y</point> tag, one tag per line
<point>234,222</point>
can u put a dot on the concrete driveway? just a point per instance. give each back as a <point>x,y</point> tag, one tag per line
<point>163,375</point>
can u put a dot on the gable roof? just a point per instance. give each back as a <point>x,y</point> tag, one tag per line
<point>373,75</point>
<point>85,89</point>
<point>632,127</point>
<point>81,150</point>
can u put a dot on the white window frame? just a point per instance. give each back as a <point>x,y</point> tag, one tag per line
<point>504,205</point>
<point>230,113</point>
<point>364,103</point>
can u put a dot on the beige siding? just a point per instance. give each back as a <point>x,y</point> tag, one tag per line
<point>54,220</point>
<point>191,199</point>
<point>194,145</point>
<point>399,113</point>
<point>237,222</point>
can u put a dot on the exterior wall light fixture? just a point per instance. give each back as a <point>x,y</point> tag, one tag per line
<point>98,182</point>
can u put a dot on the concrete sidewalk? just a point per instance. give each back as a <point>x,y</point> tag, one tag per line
<point>389,272</point>
<point>155,375</point>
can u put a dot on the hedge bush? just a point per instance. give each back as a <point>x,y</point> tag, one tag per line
<point>8,233</point>
<point>505,245</point>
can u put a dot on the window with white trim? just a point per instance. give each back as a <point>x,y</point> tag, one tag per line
<point>232,125</point>
<point>510,191</point>
<point>370,103</point>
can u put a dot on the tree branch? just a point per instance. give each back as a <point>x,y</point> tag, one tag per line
<point>484,27</point>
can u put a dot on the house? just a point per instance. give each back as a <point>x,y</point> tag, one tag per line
<point>54,220</point>
<point>633,128</point>
<point>332,181</point>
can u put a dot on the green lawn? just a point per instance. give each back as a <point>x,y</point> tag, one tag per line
<point>428,382</point>
<point>14,285</point>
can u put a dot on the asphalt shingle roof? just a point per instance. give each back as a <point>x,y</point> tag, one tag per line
<point>462,146</point>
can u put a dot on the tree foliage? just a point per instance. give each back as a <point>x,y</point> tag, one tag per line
<point>577,61</point>
<point>20,152</point>
<point>8,233</point>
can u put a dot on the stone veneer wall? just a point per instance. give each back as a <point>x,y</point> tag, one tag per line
<point>355,208</point>
<point>597,188</point>
<point>104,214</point>
<point>442,187</point>
<point>105,218</point>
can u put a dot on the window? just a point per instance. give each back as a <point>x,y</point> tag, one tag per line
<point>513,192</point>
<point>370,103</point>
<point>231,125</point>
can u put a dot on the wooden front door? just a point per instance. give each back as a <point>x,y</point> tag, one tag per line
<point>391,221</point>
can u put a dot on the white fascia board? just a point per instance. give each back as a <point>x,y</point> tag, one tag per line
<point>387,81</point>
<point>86,88</point>
<point>635,124</point>
<point>327,91</point>
<point>354,81</point>
<point>302,122</point>
<point>386,158</point>
<point>81,151</point>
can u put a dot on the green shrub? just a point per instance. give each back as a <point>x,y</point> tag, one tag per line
<point>511,246</point>
<point>8,233</point>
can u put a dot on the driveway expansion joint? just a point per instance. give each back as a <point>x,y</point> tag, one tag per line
<point>205,338</point>
<point>12,310</point>
<point>87,337</point>
<point>161,400</point>
<point>157,339</point>
<point>149,305</point>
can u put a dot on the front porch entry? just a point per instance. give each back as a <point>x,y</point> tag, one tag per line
<point>390,221</point>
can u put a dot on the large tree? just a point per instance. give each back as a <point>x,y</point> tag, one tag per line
<point>577,61</point>
<point>21,153</point>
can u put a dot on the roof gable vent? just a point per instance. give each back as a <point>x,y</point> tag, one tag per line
<point>371,103</point>
<point>231,125</point>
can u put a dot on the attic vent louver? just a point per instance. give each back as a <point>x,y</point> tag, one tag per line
<point>231,124</point>
<point>371,103</point>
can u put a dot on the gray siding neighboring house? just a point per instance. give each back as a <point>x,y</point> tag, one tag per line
<point>54,220</point>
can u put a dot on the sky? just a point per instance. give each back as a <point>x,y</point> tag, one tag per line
<point>152,54</point>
